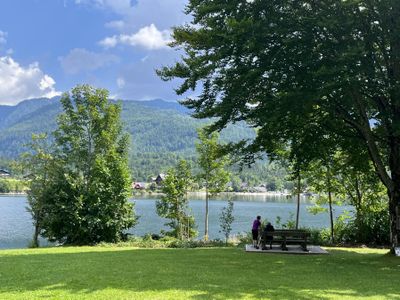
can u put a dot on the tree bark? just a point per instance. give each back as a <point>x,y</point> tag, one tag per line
<point>206,219</point>
<point>331,216</point>
<point>330,203</point>
<point>298,200</point>
<point>394,194</point>
<point>35,242</point>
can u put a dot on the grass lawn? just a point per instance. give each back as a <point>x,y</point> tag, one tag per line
<point>215,273</point>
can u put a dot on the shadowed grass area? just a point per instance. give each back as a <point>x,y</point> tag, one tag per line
<point>215,273</point>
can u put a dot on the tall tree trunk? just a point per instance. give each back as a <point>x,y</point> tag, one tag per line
<point>298,199</point>
<point>206,219</point>
<point>331,216</point>
<point>330,203</point>
<point>35,241</point>
<point>394,193</point>
<point>394,212</point>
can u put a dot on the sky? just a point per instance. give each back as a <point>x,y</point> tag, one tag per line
<point>49,46</point>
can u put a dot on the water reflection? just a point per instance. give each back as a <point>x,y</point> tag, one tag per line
<point>246,197</point>
<point>16,227</point>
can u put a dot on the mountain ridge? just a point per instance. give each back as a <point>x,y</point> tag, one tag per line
<point>162,132</point>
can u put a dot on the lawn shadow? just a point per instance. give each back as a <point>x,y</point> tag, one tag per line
<point>199,273</point>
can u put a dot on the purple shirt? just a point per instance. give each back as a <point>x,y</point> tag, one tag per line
<point>256,224</point>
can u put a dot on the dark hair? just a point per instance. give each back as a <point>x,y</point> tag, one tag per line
<point>258,217</point>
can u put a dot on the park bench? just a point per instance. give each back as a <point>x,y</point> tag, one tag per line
<point>285,237</point>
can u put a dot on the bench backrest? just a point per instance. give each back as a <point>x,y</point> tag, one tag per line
<point>289,232</point>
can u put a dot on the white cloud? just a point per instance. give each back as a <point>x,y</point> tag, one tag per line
<point>117,24</point>
<point>148,37</point>
<point>18,83</point>
<point>81,60</point>
<point>109,42</point>
<point>120,82</point>
<point>3,37</point>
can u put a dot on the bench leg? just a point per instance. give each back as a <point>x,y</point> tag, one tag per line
<point>304,246</point>
<point>284,248</point>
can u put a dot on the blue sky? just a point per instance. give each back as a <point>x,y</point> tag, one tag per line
<point>49,46</point>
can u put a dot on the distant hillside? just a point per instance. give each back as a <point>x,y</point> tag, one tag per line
<point>162,132</point>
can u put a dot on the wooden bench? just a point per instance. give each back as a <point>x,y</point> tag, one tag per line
<point>285,237</point>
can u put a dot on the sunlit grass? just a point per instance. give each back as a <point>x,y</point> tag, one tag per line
<point>217,273</point>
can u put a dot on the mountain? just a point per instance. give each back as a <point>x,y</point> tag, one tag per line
<point>162,132</point>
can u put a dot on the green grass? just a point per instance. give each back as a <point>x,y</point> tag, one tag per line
<point>201,273</point>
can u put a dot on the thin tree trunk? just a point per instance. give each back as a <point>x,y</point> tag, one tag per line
<point>331,215</point>
<point>330,201</point>
<point>206,220</point>
<point>36,236</point>
<point>298,200</point>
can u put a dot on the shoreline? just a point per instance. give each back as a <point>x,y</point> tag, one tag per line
<point>199,193</point>
<point>202,193</point>
<point>14,194</point>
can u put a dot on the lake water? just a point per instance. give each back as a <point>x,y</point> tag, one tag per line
<point>16,224</point>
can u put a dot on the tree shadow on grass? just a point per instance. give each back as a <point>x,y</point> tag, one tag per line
<point>197,273</point>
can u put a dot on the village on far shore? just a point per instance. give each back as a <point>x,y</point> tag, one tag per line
<point>154,185</point>
<point>10,184</point>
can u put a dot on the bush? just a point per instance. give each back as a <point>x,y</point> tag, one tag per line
<point>244,239</point>
<point>147,241</point>
<point>370,229</point>
<point>4,186</point>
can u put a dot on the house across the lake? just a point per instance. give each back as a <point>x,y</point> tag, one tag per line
<point>160,178</point>
<point>138,185</point>
<point>4,173</point>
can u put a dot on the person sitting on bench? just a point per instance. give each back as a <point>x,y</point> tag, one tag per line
<point>267,238</point>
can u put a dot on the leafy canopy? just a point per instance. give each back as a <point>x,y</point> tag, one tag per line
<point>85,198</point>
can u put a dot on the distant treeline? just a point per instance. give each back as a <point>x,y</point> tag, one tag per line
<point>161,132</point>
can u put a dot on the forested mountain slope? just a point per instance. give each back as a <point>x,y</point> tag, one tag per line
<point>161,132</point>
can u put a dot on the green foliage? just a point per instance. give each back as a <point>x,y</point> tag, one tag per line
<point>165,242</point>
<point>212,162</point>
<point>372,229</point>
<point>304,73</point>
<point>162,133</point>
<point>226,219</point>
<point>289,224</point>
<point>84,193</point>
<point>213,174</point>
<point>12,185</point>
<point>4,186</point>
<point>174,203</point>
<point>39,165</point>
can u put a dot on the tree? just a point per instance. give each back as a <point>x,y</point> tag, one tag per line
<point>174,203</point>
<point>281,64</point>
<point>226,219</point>
<point>321,179</point>
<point>357,183</point>
<point>87,190</point>
<point>38,163</point>
<point>212,162</point>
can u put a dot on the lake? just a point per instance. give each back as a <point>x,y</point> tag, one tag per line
<point>16,224</point>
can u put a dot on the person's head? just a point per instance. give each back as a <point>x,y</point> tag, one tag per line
<point>258,218</point>
<point>269,223</point>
